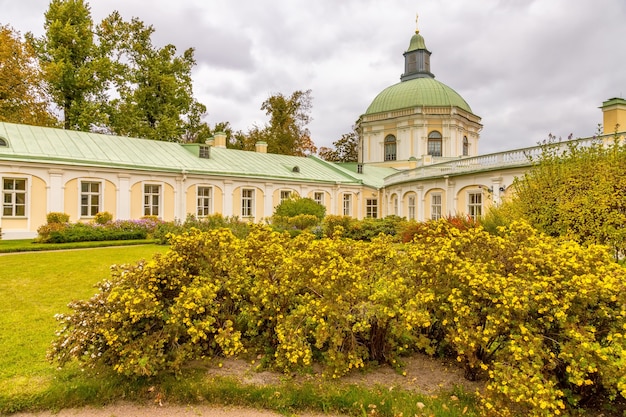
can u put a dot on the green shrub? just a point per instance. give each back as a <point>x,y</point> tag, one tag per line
<point>103,217</point>
<point>292,207</point>
<point>56,217</point>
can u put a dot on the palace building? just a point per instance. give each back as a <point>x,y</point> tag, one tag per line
<point>418,158</point>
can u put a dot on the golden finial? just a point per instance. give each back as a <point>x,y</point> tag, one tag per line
<point>416,28</point>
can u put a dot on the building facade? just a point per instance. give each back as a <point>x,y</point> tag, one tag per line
<point>418,158</point>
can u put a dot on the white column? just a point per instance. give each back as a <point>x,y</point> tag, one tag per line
<point>227,200</point>
<point>56,191</point>
<point>123,197</point>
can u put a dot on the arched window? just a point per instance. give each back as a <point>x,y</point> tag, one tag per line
<point>465,146</point>
<point>390,148</point>
<point>434,143</point>
<point>3,142</point>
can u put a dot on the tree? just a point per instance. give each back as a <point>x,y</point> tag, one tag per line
<point>345,149</point>
<point>154,85</point>
<point>73,68</point>
<point>286,132</point>
<point>22,96</point>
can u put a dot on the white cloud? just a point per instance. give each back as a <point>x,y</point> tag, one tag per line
<point>528,68</point>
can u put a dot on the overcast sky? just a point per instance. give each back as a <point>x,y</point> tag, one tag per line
<point>528,68</point>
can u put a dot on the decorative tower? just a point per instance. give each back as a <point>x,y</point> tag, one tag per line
<point>416,58</point>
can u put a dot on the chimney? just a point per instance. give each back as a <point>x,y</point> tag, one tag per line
<point>219,140</point>
<point>260,146</point>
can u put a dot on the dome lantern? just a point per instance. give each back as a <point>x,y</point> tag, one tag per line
<point>416,58</point>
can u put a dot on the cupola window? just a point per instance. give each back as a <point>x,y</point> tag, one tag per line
<point>390,148</point>
<point>3,142</point>
<point>465,146</point>
<point>434,143</point>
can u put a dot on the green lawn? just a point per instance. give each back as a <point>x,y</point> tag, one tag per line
<point>35,286</point>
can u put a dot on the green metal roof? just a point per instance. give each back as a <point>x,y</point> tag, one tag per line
<point>423,91</point>
<point>417,42</point>
<point>66,147</point>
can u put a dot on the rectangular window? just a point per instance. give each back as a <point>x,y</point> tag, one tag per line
<point>347,204</point>
<point>475,205</point>
<point>247,202</point>
<point>90,198</point>
<point>204,152</point>
<point>371,208</point>
<point>204,198</point>
<point>319,198</point>
<point>435,206</point>
<point>411,207</point>
<point>14,197</point>
<point>151,200</point>
<point>395,206</point>
<point>285,195</point>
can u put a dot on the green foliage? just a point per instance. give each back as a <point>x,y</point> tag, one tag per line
<point>22,93</point>
<point>345,149</point>
<point>73,67</point>
<point>87,232</point>
<point>165,230</point>
<point>103,217</point>
<point>578,192</point>
<point>57,218</point>
<point>541,319</point>
<point>295,206</point>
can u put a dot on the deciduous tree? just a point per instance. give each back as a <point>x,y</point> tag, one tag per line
<point>345,149</point>
<point>73,68</point>
<point>22,96</point>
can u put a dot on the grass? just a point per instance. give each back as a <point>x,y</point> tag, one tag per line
<point>36,286</point>
<point>29,245</point>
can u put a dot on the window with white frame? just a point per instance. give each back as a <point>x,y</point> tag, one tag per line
<point>390,148</point>
<point>411,207</point>
<point>465,146</point>
<point>319,198</point>
<point>394,203</point>
<point>371,208</point>
<point>90,198</point>
<point>434,143</point>
<point>204,198</point>
<point>247,202</point>
<point>347,204</point>
<point>435,206</point>
<point>475,204</point>
<point>151,200</point>
<point>285,195</point>
<point>14,197</point>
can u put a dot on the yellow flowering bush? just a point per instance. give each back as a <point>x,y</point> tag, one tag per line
<point>541,320</point>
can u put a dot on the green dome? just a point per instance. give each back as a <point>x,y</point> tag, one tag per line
<point>423,91</point>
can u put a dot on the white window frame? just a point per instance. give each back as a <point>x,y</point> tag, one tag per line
<point>204,203</point>
<point>395,205</point>
<point>411,207</point>
<point>371,208</point>
<point>90,194</point>
<point>285,195</point>
<point>318,197</point>
<point>11,202</point>
<point>152,201</point>
<point>347,204</point>
<point>475,204</point>
<point>436,206</point>
<point>247,202</point>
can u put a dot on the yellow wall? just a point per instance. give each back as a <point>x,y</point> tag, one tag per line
<point>192,194</point>
<point>167,200</point>
<point>276,195</point>
<point>614,115</point>
<point>71,200</point>
<point>428,203</point>
<point>110,198</point>
<point>38,211</point>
